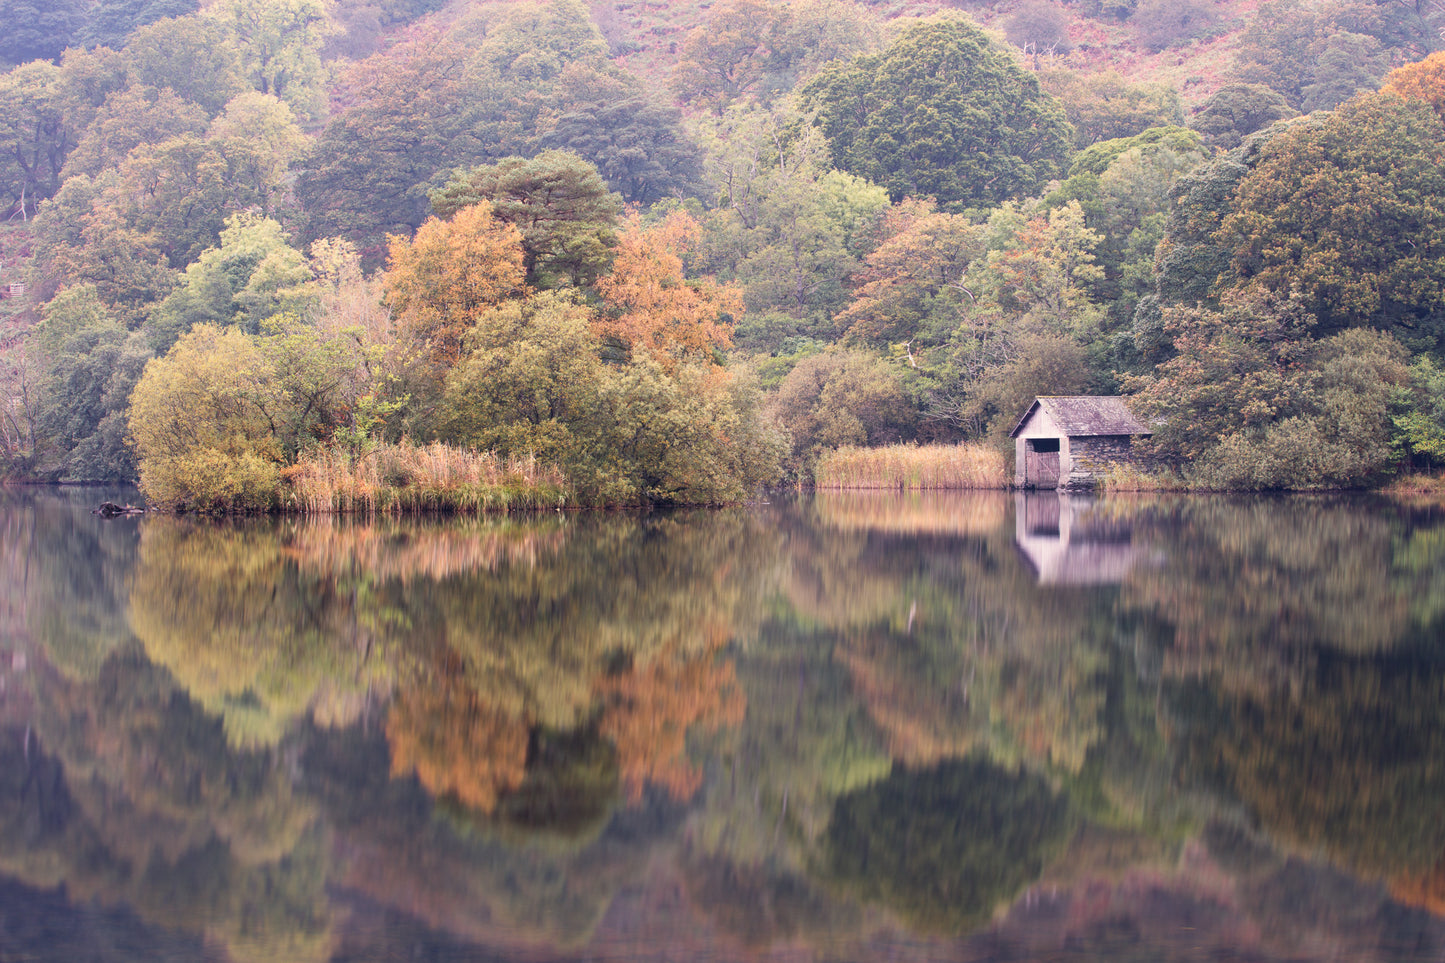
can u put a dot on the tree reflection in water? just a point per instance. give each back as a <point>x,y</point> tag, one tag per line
<point>815,724</point>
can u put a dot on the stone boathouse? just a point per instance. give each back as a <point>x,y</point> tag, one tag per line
<point>1062,442</point>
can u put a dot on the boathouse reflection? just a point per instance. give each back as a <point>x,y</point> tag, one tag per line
<point>1069,541</point>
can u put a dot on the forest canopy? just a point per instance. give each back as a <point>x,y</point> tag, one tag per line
<point>678,273</point>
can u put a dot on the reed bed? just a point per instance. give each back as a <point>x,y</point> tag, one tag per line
<point>912,468</point>
<point>1417,484</point>
<point>414,479</point>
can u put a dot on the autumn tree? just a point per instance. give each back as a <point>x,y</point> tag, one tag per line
<point>650,305</point>
<point>649,710</point>
<point>457,746</point>
<point>943,112</point>
<point>452,270</point>
<point>728,56</point>
<point>748,48</point>
<point>412,112</point>
<point>911,287</point>
<point>1424,80</point>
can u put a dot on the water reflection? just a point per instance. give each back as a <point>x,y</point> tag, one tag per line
<point>1073,540</point>
<point>969,727</point>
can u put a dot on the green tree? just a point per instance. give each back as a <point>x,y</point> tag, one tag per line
<point>113,21</point>
<point>1236,110</point>
<point>567,217</point>
<point>190,55</point>
<point>80,238</point>
<point>35,135</point>
<point>39,30</point>
<point>129,118</point>
<point>638,145</point>
<point>253,275</point>
<point>787,229</point>
<point>944,847</point>
<point>1422,423</point>
<point>528,382</point>
<point>1105,106</point>
<point>91,363</point>
<point>943,112</point>
<point>841,398</point>
<point>278,43</point>
<point>1348,64</point>
<point>1250,401</point>
<point>1348,210</point>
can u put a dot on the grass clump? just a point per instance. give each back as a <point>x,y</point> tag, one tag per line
<point>912,468</point>
<point>405,478</point>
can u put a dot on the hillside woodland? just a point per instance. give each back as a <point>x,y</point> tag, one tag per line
<point>672,252</point>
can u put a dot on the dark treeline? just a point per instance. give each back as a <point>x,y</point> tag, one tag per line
<point>254,245</point>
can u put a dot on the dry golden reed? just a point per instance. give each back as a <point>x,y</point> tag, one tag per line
<point>406,478</point>
<point>912,468</point>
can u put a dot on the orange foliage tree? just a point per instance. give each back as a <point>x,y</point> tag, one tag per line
<point>1422,80</point>
<point>439,282</point>
<point>651,304</point>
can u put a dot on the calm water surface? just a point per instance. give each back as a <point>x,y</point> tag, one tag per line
<point>964,727</point>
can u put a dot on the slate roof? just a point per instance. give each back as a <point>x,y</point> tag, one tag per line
<point>1086,415</point>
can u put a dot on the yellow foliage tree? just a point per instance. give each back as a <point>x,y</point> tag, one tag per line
<point>202,421</point>
<point>1422,80</point>
<point>443,279</point>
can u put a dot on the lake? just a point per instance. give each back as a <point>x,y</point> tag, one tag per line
<point>966,726</point>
